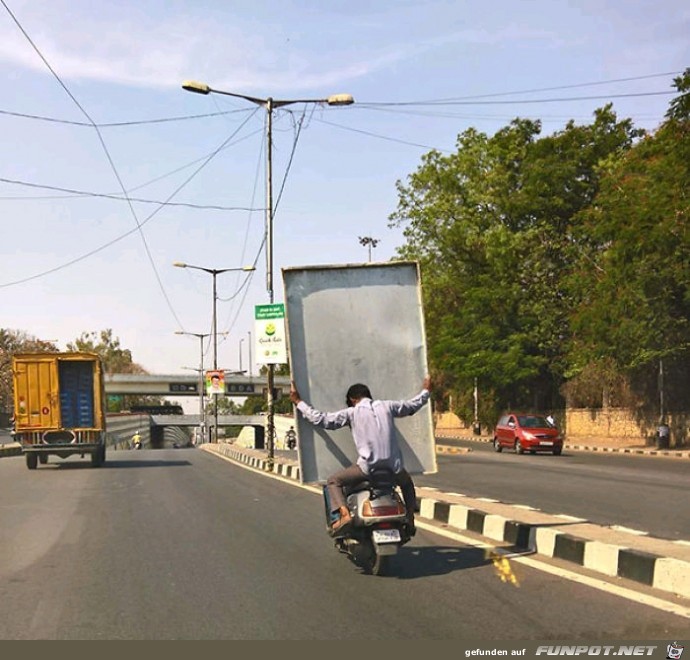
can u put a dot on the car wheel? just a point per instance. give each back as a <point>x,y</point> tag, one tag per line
<point>497,445</point>
<point>518,447</point>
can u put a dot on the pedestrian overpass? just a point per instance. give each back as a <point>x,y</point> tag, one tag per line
<point>189,385</point>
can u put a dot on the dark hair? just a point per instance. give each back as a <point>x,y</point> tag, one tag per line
<point>356,392</point>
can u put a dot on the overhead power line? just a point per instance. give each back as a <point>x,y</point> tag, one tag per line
<point>514,101</point>
<point>476,99</point>
<point>141,224</point>
<point>86,194</point>
<point>119,124</point>
<point>556,88</point>
<point>108,156</point>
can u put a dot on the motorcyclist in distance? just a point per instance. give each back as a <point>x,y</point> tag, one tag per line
<point>372,424</point>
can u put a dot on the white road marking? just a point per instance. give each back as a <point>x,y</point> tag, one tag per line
<point>636,532</point>
<point>531,561</point>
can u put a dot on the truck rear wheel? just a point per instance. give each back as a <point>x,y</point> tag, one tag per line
<point>43,459</point>
<point>98,456</point>
<point>31,461</point>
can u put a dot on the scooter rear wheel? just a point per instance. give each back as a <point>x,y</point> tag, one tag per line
<point>371,561</point>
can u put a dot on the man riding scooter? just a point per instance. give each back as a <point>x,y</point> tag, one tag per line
<point>372,424</point>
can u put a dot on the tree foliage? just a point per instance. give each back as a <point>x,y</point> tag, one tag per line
<point>632,282</point>
<point>116,360</point>
<point>11,343</point>
<point>493,228</point>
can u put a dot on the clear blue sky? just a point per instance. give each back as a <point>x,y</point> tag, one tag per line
<point>124,62</point>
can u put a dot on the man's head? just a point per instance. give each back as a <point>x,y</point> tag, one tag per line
<point>356,392</point>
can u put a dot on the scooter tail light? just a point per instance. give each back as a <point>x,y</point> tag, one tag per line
<point>368,510</point>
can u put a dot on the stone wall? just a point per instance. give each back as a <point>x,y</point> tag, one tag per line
<point>449,424</point>
<point>615,427</point>
<point>621,427</point>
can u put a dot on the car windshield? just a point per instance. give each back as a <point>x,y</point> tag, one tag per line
<point>533,422</point>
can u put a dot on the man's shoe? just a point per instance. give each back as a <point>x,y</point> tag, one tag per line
<point>344,520</point>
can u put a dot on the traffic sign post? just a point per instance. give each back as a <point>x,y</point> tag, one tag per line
<point>271,349</point>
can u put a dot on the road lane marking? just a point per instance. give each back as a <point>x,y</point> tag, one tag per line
<point>531,561</point>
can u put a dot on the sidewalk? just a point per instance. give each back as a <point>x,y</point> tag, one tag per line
<point>602,447</point>
<point>616,553</point>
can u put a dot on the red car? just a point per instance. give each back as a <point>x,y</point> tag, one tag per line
<point>527,432</point>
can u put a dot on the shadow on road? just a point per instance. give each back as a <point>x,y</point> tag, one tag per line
<point>419,562</point>
<point>115,464</point>
<point>143,464</point>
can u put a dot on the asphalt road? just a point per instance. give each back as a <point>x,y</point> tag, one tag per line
<point>646,493</point>
<point>180,544</point>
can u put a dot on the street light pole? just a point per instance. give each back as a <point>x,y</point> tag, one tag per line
<point>214,272</point>
<point>371,242</point>
<point>270,104</point>
<point>240,352</point>
<point>202,412</point>
<point>249,346</point>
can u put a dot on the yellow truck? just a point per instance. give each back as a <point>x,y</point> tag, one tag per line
<point>59,406</point>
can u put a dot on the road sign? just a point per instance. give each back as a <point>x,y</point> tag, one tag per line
<point>271,344</point>
<point>182,387</point>
<point>240,388</point>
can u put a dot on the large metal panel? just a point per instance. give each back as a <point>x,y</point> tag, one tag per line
<point>359,323</point>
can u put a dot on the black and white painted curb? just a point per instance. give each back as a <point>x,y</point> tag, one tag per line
<point>288,470</point>
<point>636,451</point>
<point>667,574</point>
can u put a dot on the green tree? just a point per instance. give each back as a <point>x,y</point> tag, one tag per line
<point>253,405</point>
<point>632,282</point>
<point>492,226</point>
<point>116,360</point>
<point>226,406</point>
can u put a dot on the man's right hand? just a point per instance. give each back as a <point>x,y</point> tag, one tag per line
<point>427,384</point>
<point>294,394</point>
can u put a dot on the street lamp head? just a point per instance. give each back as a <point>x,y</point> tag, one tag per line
<point>340,99</point>
<point>180,264</point>
<point>248,268</point>
<point>196,87</point>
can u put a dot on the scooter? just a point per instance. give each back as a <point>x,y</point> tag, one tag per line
<point>379,526</point>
